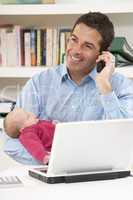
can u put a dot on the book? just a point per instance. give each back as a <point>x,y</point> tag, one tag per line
<point>11,40</point>
<point>20,1</point>
<point>43,46</point>
<point>17,30</point>
<point>48,1</point>
<point>49,47</point>
<point>63,38</point>
<point>38,47</point>
<point>27,48</point>
<point>33,47</point>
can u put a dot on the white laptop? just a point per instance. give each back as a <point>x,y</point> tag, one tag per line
<point>89,150</point>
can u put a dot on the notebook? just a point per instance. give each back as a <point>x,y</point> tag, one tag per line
<point>89,150</point>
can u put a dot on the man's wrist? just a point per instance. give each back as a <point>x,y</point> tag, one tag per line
<point>104,86</point>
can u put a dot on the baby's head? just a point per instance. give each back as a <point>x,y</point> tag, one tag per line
<point>17,120</point>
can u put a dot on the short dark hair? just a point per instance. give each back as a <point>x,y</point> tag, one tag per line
<point>101,23</point>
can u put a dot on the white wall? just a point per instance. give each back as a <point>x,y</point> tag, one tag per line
<point>123,21</point>
<point>11,87</point>
<point>93,2</point>
<point>123,24</point>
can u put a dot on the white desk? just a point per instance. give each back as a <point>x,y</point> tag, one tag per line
<point>33,189</point>
<point>121,189</point>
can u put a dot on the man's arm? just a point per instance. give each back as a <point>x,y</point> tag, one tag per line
<point>119,102</point>
<point>16,150</point>
<point>29,100</point>
<point>117,96</point>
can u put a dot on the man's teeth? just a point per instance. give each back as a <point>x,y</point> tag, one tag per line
<point>75,59</point>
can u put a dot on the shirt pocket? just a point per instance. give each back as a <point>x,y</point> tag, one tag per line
<point>94,100</point>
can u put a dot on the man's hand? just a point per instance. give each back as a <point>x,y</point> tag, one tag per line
<point>103,78</point>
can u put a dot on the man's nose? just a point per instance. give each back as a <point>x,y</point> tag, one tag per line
<point>78,48</point>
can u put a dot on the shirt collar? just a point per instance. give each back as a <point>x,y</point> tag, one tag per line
<point>63,70</point>
<point>93,73</point>
<point>65,75</point>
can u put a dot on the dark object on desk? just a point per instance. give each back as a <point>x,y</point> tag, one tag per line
<point>123,51</point>
<point>80,177</point>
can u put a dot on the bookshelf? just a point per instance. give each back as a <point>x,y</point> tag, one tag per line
<point>19,72</point>
<point>28,72</point>
<point>66,9</point>
<point>63,15</point>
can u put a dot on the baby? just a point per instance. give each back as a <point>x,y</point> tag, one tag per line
<point>36,135</point>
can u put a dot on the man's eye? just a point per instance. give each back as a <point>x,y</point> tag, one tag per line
<point>72,39</point>
<point>89,47</point>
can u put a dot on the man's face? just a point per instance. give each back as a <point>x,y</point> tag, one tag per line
<point>83,49</point>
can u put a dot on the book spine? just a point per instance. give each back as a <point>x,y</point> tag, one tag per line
<point>62,47</point>
<point>49,51</point>
<point>17,30</point>
<point>33,47</point>
<point>38,47</point>
<point>43,46</point>
<point>27,48</point>
<point>22,47</point>
<point>3,47</point>
<point>11,47</point>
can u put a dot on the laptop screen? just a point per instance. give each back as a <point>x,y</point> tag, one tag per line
<point>81,146</point>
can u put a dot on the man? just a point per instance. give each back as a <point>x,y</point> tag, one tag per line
<point>75,91</point>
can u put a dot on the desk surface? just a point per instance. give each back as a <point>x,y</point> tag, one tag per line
<point>112,189</point>
<point>36,190</point>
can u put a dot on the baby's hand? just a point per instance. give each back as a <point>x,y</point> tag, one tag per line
<point>55,122</point>
<point>46,158</point>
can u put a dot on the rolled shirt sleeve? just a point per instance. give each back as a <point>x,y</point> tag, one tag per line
<point>119,104</point>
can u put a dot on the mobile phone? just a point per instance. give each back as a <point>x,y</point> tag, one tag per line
<point>100,66</point>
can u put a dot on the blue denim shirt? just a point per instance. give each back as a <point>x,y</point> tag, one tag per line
<point>52,95</point>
